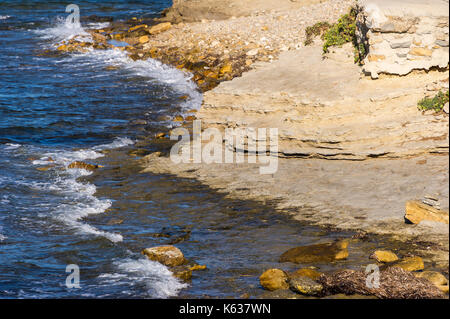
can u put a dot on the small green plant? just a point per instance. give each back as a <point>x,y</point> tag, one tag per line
<point>341,32</point>
<point>435,103</point>
<point>316,30</point>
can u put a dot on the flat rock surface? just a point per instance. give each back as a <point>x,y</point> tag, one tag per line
<point>324,107</point>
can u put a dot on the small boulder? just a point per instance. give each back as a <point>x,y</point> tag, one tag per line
<point>137,27</point>
<point>318,253</point>
<point>167,255</point>
<point>306,272</point>
<point>160,28</point>
<point>274,279</point>
<point>414,263</point>
<point>417,211</point>
<point>384,256</point>
<point>305,286</point>
<point>197,267</point>
<point>144,39</point>
<point>83,165</point>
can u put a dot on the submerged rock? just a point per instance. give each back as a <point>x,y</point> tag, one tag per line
<point>167,255</point>
<point>306,272</point>
<point>83,165</point>
<point>197,267</point>
<point>274,279</point>
<point>305,286</point>
<point>414,263</point>
<point>318,253</point>
<point>182,272</point>
<point>394,283</point>
<point>384,256</point>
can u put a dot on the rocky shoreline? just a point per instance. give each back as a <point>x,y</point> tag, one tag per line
<point>256,71</point>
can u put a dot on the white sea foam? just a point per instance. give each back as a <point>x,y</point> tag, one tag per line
<point>4,17</point>
<point>158,280</point>
<point>98,25</point>
<point>63,31</point>
<point>157,72</point>
<point>11,146</point>
<point>117,143</point>
<point>79,198</point>
<point>2,237</point>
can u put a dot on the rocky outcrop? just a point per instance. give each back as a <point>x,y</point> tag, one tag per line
<point>190,11</point>
<point>402,36</point>
<point>324,109</point>
<point>417,211</point>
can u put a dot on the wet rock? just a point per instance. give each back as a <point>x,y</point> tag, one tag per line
<point>197,267</point>
<point>167,255</point>
<point>137,27</point>
<point>384,256</point>
<point>178,118</point>
<point>144,39</point>
<point>318,253</point>
<point>111,68</point>
<point>182,273</point>
<point>417,212</point>
<point>160,135</point>
<point>83,165</point>
<point>436,278</point>
<point>44,168</point>
<point>138,122</point>
<point>139,152</point>
<point>394,283</point>
<point>306,272</point>
<point>281,294</point>
<point>115,221</point>
<point>160,28</point>
<point>305,286</point>
<point>414,263</point>
<point>227,68</point>
<point>274,279</point>
<point>98,37</point>
<point>190,118</point>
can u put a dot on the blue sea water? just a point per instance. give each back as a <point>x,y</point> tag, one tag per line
<point>58,109</point>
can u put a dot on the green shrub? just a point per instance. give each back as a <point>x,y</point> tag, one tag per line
<point>341,32</point>
<point>316,30</point>
<point>435,103</point>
